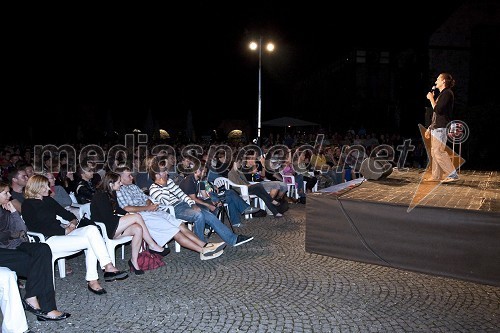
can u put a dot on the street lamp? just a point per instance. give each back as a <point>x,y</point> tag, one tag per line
<point>270,48</point>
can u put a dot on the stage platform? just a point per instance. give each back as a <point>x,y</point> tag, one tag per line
<point>449,229</point>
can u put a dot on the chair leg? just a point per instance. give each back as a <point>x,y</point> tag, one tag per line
<point>177,245</point>
<point>61,263</point>
<point>123,251</point>
<point>54,273</point>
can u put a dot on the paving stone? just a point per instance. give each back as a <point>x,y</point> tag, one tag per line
<point>272,285</point>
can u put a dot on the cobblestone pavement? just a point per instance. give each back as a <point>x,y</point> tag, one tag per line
<point>272,285</point>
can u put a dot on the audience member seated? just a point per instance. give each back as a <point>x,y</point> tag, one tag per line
<point>171,167</point>
<point>17,181</point>
<point>237,177</point>
<point>194,185</point>
<point>32,261</point>
<point>14,319</point>
<point>141,177</point>
<point>161,225</point>
<point>40,211</point>
<point>104,208</point>
<point>85,187</point>
<point>165,192</point>
<point>57,192</point>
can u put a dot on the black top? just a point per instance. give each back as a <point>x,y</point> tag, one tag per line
<point>84,191</point>
<point>40,216</point>
<point>443,109</point>
<point>105,208</point>
<point>16,195</point>
<point>189,185</point>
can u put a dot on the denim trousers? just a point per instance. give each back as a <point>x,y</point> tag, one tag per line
<point>235,204</point>
<point>201,218</point>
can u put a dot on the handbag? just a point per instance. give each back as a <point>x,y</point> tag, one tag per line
<point>85,221</point>
<point>147,260</point>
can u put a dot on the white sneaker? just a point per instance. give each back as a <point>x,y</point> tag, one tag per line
<point>213,247</point>
<point>212,255</point>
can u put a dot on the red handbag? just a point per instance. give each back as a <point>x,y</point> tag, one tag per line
<point>148,260</point>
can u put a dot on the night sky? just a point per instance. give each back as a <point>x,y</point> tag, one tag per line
<point>77,65</point>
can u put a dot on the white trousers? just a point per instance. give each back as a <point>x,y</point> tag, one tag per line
<point>441,161</point>
<point>89,239</point>
<point>14,319</point>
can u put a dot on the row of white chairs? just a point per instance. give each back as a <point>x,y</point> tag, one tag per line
<point>111,244</point>
<point>292,185</point>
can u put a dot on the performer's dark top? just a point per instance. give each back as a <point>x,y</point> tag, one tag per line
<point>443,109</point>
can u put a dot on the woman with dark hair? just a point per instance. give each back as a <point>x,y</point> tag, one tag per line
<point>104,208</point>
<point>442,168</point>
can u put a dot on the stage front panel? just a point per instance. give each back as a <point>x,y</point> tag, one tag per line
<point>455,243</point>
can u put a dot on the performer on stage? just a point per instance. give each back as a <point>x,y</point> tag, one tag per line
<point>442,167</point>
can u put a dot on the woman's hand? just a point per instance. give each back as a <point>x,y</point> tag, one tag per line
<point>9,206</point>
<point>70,228</point>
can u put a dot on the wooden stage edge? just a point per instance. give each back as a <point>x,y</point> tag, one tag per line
<point>475,190</point>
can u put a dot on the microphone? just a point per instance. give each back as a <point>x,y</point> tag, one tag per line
<point>433,89</point>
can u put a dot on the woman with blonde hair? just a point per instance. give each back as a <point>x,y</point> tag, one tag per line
<point>40,211</point>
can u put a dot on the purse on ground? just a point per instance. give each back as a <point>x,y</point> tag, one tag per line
<point>148,261</point>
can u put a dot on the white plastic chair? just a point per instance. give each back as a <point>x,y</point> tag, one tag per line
<point>111,244</point>
<point>220,181</point>
<point>74,202</point>
<point>315,187</point>
<point>289,180</point>
<point>258,202</point>
<point>171,211</point>
<point>58,256</point>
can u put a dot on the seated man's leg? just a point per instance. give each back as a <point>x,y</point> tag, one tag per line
<point>14,319</point>
<point>220,228</point>
<point>236,206</point>
<point>184,212</point>
<point>300,185</point>
<point>259,191</point>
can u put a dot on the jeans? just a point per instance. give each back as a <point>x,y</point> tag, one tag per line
<point>299,186</point>
<point>201,218</point>
<point>236,206</point>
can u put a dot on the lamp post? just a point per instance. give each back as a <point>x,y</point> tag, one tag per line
<point>270,48</point>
